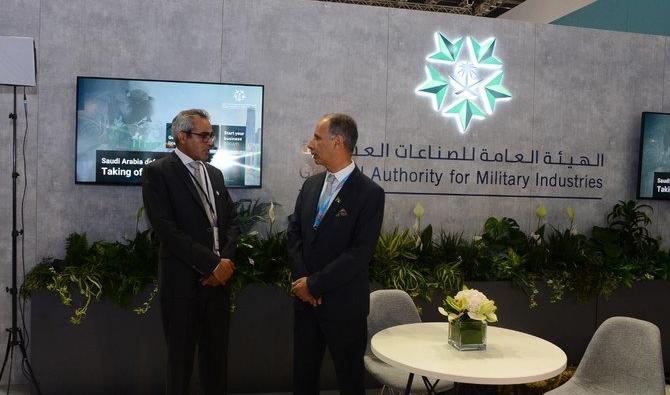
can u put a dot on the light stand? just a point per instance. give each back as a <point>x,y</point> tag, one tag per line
<point>15,62</point>
<point>15,337</point>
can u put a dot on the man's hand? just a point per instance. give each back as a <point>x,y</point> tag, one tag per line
<point>210,281</point>
<point>224,270</point>
<point>300,290</point>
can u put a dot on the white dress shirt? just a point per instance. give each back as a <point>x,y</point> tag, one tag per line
<point>339,177</point>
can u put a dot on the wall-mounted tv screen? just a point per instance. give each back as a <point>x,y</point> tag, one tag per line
<point>654,173</point>
<point>124,124</point>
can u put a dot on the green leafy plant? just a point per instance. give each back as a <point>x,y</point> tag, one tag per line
<point>503,255</point>
<point>250,213</point>
<point>116,270</point>
<point>415,260</point>
<point>260,260</point>
<point>567,264</point>
<point>499,247</point>
<point>449,249</point>
<point>624,252</point>
<point>631,221</point>
<point>119,271</point>
<point>395,263</point>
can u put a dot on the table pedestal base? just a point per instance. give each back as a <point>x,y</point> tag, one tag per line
<point>430,387</point>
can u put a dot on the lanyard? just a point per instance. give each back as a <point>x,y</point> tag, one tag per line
<point>326,203</point>
<point>212,214</point>
<point>204,191</point>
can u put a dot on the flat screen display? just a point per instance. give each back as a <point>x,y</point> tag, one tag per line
<point>654,173</point>
<point>125,124</point>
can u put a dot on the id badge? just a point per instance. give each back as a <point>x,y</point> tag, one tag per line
<point>215,230</point>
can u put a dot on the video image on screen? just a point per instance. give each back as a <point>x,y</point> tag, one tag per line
<point>654,175</point>
<point>124,124</point>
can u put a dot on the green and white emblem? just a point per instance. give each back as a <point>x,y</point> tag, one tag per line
<point>464,79</point>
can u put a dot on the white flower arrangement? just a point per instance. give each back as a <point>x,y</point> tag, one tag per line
<point>471,301</point>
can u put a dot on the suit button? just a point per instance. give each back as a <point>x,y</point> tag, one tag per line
<point>209,230</point>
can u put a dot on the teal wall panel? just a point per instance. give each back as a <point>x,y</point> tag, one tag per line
<point>640,16</point>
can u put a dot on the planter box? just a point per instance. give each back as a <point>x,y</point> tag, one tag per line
<point>114,351</point>
<point>260,350</point>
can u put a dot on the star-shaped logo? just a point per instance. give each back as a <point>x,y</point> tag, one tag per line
<point>435,86</point>
<point>484,51</point>
<point>239,95</point>
<point>446,50</point>
<point>464,79</point>
<point>464,111</point>
<point>496,91</point>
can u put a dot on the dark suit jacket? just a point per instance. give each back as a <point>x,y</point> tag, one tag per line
<point>178,217</point>
<point>337,255</point>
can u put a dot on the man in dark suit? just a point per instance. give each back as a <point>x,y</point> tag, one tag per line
<point>331,238</point>
<point>194,217</point>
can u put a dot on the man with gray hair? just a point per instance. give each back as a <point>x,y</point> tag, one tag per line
<point>194,218</point>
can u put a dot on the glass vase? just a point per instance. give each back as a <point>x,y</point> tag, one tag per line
<point>467,335</point>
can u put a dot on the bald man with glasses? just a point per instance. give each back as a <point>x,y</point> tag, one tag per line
<point>194,218</point>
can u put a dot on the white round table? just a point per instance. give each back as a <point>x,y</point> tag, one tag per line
<point>511,357</point>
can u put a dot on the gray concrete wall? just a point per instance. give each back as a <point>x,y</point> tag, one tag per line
<point>575,90</point>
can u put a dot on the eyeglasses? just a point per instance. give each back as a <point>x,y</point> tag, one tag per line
<point>205,137</point>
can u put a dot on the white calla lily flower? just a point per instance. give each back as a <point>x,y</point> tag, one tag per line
<point>271,213</point>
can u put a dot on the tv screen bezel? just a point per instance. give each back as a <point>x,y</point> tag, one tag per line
<point>639,162</point>
<point>76,126</point>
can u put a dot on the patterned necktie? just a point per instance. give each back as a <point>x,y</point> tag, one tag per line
<point>329,189</point>
<point>207,200</point>
<point>202,188</point>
